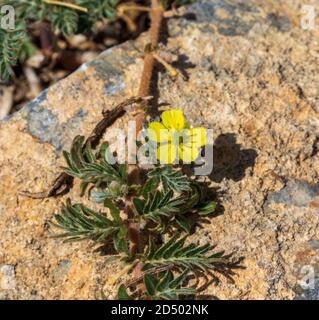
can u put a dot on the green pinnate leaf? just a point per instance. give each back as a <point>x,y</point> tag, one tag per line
<point>171,180</point>
<point>81,223</point>
<point>183,257</point>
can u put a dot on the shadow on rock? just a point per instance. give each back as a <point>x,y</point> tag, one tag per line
<point>183,64</point>
<point>230,160</point>
<point>226,266</point>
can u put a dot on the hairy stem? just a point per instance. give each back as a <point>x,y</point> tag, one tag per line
<point>156,14</point>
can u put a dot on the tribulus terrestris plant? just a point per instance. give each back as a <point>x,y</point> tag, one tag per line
<point>142,208</point>
<point>160,204</point>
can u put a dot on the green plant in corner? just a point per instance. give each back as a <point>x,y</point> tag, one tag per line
<point>11,44</point>
<point>54,18</point>
<point>51,18</point>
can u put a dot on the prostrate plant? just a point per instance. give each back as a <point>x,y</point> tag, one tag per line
<point>161,204</point>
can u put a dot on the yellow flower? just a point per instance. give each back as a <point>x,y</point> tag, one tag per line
<point>175,139</point>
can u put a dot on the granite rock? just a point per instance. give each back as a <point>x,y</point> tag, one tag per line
<point>253,77</point>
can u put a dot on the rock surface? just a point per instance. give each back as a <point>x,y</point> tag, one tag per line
<point>253,77</point>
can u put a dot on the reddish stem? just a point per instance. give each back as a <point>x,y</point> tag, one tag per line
<point>156,14</point>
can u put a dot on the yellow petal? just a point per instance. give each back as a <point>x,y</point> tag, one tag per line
<point>166,153</point>
<point>157,132</point>
<point>173,119</point>
<point>188,153</point>
<point>198,137</point>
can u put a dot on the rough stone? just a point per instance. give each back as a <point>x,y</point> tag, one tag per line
<point>253,77</point>
<point>297,193</point>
